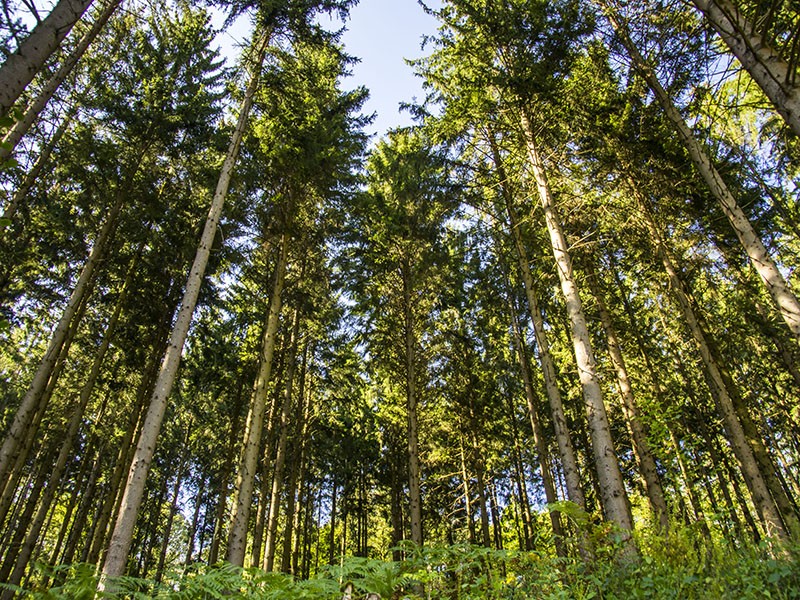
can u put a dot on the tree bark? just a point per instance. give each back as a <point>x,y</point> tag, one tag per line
<point>237,537</point>
<point>37,105</point>
<point>773,74</point>
<point>719,392</point>
<point>414,495</point>
<point>10,210</point>
<point>36,392</point>
<point>782,295</point>
<point>538,437</point>
<point>641,447</point>
<point>58,469</point>
<point>569,463</point>
<point>114,565</point>
<point>29,59</point>
<point>280,455</point>
<point>612,490</point>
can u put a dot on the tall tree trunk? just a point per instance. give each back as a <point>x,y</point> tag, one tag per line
<point>280,455</point>
<point>719,392</point>
<point>773,74</point>
<point>36,392</point>
<point>21,67</point>
<point>199,497</point>
<point>538,437</point>
<point>37,105</point>
<point>134,489</point>
<point>302,416</point>
<point>612,490</point>
<point>467,498</point>
<point>641,447</point>
<point>782,295</point>
<point>225,476</point>
<point>173,508</point>
<point>45,151</point>
<point>569,463</point>
<point>414,494</point>
<point>124,454</point>
<point>237,537</point>
<point>59,468</point>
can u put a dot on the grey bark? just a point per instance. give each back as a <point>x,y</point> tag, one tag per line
<point>782,295</point>
<point>641,447</point>
<point>21,67</point>
<point>773,74</point>
<point>237,536</point>
<point>38,104</point>
<point>612,490</point>
<point>134,489</point>
<point>36,391</point>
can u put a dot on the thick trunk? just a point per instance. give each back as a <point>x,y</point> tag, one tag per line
<point>21,67</point>
<point>237,536</point>
<point>612,490</point>
<point>134,489</point>
<point>773,74</point>
<point>641,447</point>
<point>782,295</point>
<point>37,105</point>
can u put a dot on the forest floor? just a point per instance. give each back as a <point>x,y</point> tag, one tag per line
<point>683,565</point>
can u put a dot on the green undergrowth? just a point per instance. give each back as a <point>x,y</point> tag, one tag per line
<point>680,566</point>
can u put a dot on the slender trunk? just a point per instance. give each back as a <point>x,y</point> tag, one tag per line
<point>198,503</point>
<point>124,456</point>
<point>173,508</point>
<point>36,392</point>
<point>719,392</point>
<point>481,487</point>
<point>538,437</point>
<point>689,482</point>
<point>59,468</point>
<point>225,476</point>
<point>302,416</point>
<point>43,159</point>
<point>467,499</point>
<point>773,74</point>
<point>134,489</point>
<point>566,450</point>
<point>237,536</point>
<point>414,495</point>
<point>37,105</point>
<point>522,492</point>
<point>280,455</point>
<point>782,295</point>
<point>612,490</point>
<point>641,447</point>
<point>332,540</point>
<point>21,67</point>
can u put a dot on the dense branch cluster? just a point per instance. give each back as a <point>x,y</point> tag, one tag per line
<point>559,312</point>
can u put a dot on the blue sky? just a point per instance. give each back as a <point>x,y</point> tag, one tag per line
<point>381,33</point>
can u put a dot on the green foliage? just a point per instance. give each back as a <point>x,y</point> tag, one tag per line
<point>681,565</point>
